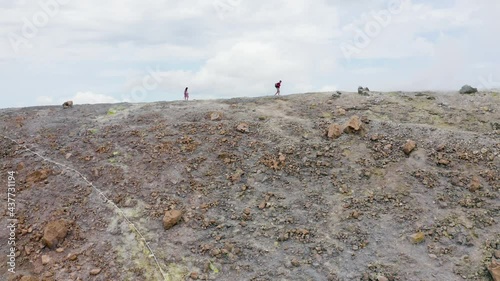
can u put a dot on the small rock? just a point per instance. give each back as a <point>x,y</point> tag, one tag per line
<point>95,271</point>
<point>497,254</point>
<point>215,116</point>
<point>356,214</point>
<point>45,259</point>
<point>171,218</point>
<point>382,278</point>
<point>60,250</point>
<point>409,146</point>
<point>72,257</point>
<point>475,184</point>
<point>295,263</point>
<point>262,205</point>
<point>243,128</point>
<point>443,162</point>
<point>353,125</point>
<point>467,89</point>
<point>334,131</point>
<point>67,104</point>
<point>494,269</point>
<point>194,275</point>
<point>417,238</point>
<point>54,233</point>
<point>341,111</point>
<point>28,278</point>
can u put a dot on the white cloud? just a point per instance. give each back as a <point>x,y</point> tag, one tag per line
<point>45,100</point>
<point>91,98</point>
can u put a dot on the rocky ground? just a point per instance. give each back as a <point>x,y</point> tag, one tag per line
<point>383,186</point>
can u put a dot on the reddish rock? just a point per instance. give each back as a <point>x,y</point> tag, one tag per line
<point>334,131</point>
<point>475,184</point>
<point>54,233</point>
<point>29,278</point>
<point>409,146</point>
<point>243,128</point>
<point>39,176</point>
<point>194,275</point>
<point>215,116</point>
<point>494,269</point>
<point>353,125</point>
<point>171,218</point>
<point>46,259</point>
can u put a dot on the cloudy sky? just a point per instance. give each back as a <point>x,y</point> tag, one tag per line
<point>148,50</point>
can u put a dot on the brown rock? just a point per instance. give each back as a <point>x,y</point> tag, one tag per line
<point>443,162</point>
<point>295,263</point>
<point>475,184</point>
<point>28,278</point>
<point>356,214</point>
<point>262,205</point>
<point>417,238</point>
<point>353,125</point>
<point>382,278</point>
<point>236,177</point>
<point>95,271</point>
<point>341,111</point>
<point>46,259</point>
<point>243,128</point>
<point>171,218</point>
<point>215,116</point>
<point>67,104</point>
<point>72,257</point>
<point>494,269</point>
<point>39,176</point>
<point>409,146</point>
<point>496,254</point>
<point>334,131</point>
<point>54,233</point>
<point>194,275</point>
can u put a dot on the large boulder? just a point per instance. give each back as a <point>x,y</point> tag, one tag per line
<point>363,91</point>
<point>353,125</point>
<point>467,89</point>
<point>334,131</point>
<point>54,233</point>
<point>171,218</point>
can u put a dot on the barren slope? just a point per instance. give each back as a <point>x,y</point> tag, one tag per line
<point>279,202</point>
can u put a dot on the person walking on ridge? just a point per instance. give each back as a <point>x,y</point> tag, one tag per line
<point>186,94</point>
<point>277,86</point>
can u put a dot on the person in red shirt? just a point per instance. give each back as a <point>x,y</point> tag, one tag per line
<point>277,86</point>
<point>186,94</point>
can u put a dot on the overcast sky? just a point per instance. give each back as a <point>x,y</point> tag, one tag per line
<point>148,50</point>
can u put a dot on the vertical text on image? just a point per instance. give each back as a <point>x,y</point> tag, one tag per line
<point>11,221</point>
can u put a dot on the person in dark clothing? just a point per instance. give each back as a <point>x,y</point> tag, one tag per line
<point>186,94</point>
<point>277,86</point>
